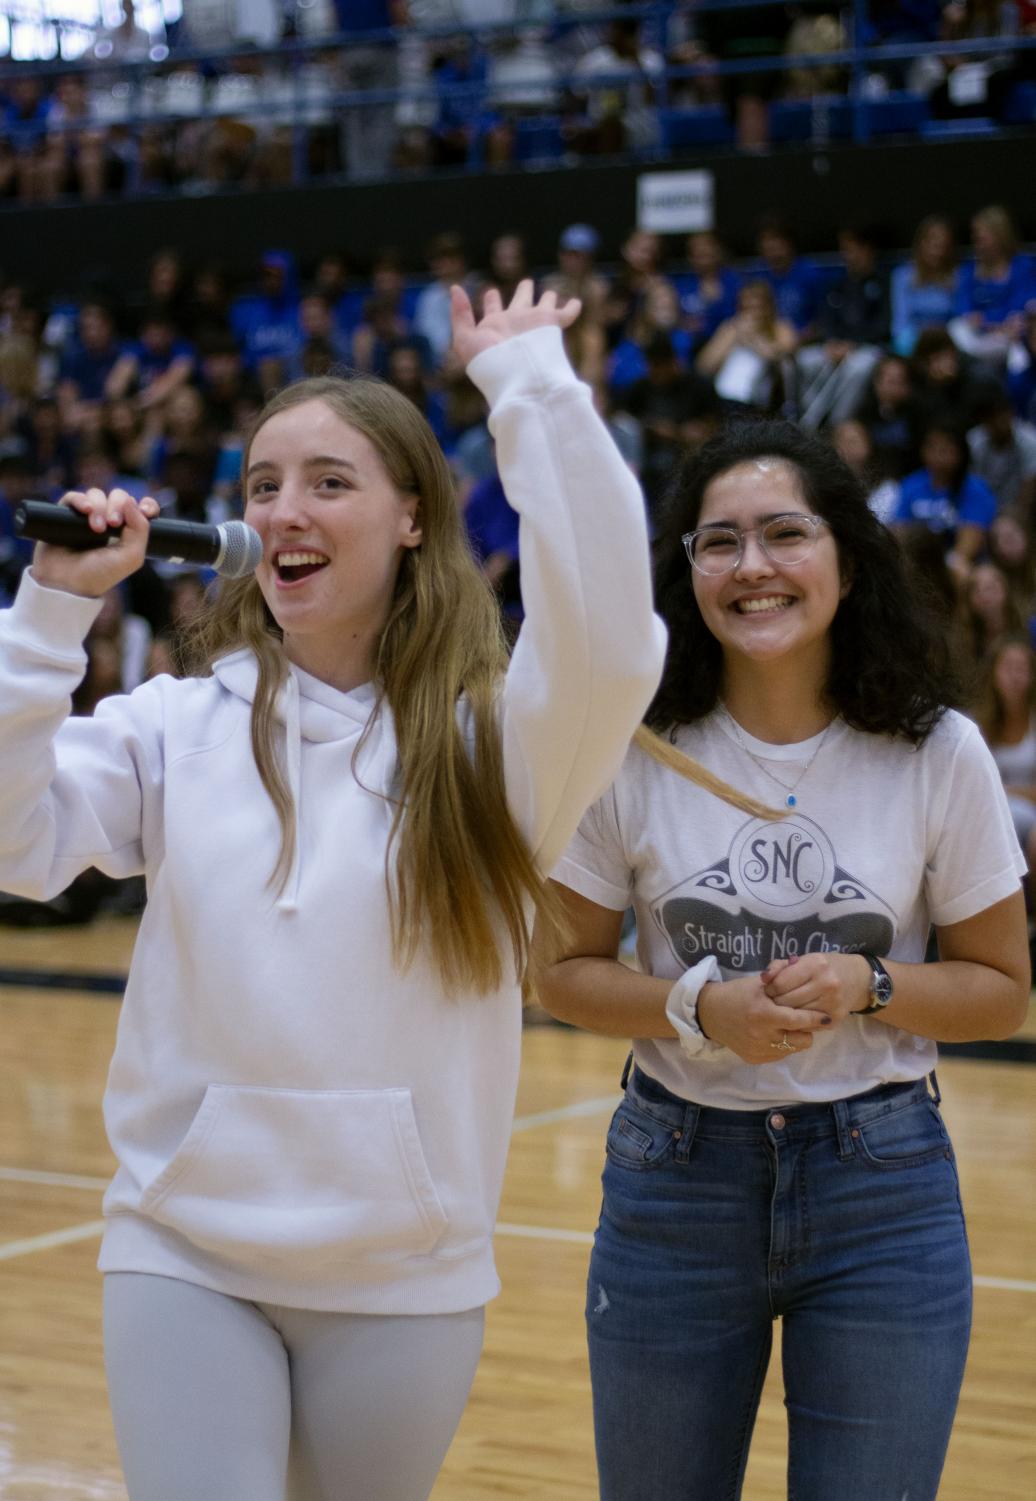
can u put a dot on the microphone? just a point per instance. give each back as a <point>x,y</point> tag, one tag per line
<point>233,548</point>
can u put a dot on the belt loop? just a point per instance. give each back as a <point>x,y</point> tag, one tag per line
<point>687,1133</point>
<point>840,1111</point>
<point>933,1088</point>
<point>626,1070</point>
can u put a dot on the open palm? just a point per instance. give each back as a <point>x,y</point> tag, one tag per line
<point>499,323</point>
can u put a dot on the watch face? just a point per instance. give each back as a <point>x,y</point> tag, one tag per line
<point>882,989</point>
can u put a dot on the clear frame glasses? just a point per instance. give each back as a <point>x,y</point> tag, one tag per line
<point>786,540</point>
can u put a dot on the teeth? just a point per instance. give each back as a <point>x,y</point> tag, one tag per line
<point>771,602</point>
<point>299,559</point>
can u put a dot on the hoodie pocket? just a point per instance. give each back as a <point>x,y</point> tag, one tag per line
<point>298,1181</point>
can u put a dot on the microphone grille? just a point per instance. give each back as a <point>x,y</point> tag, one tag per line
<point>242,550</point>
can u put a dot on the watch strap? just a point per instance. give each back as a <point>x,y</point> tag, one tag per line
<point>881,984</point>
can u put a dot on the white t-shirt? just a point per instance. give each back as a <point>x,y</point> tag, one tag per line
<point>884,841</point>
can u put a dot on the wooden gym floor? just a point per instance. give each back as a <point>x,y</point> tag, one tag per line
<point>526,1433</point>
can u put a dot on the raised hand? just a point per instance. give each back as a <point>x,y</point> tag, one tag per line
<point>91,574</point>
<point>499,323</point>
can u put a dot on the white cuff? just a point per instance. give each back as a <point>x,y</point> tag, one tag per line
<point>530,364</point>
<point>682,1008</point>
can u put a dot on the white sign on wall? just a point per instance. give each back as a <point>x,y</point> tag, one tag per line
<point>675,202</point>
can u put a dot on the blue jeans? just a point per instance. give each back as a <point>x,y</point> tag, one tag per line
<point>842,1219</point>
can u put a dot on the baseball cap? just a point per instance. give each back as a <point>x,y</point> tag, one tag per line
<point>581,237</point>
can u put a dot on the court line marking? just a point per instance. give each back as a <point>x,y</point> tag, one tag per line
<point>566,1112</point>
<point>52,1180</point>
<point>545,1232</point>
<point>54,1238</point>
<point>1005,1284</point>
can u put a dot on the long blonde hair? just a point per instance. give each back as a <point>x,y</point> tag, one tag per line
<point>458,871</point>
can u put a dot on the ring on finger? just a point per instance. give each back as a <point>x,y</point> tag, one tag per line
<point>784,1046</point>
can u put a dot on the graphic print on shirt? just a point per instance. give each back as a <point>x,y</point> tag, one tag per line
<point>779,892</point>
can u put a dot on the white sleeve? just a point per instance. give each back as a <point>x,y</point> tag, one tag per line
<point>590,652</point>
<point>973,859</point>
<point>595,863</point>
<point>70,789</point>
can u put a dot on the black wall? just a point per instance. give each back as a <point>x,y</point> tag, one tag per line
<point>891,186</point>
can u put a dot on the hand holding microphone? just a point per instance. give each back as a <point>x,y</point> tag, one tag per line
<point>93,541</point>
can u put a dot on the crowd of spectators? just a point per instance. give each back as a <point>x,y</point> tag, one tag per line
<point>416,85</point>
<point>919,367</point>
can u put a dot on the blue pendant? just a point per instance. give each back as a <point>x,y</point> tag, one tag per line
<point>791,800</point>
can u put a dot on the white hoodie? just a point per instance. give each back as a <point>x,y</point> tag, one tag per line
<point>295,1120</point>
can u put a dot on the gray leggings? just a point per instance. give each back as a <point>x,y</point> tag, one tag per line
<point>217,1399</point>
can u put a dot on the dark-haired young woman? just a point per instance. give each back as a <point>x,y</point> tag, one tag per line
<point>779,1151</point>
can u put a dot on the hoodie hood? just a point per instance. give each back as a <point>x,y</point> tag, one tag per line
<point>312,711</point>
<point>324,713</point>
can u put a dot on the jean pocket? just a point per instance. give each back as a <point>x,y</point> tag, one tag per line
<point>905,1138</point>
<point>300,1181</point>
<point>637,1140</point>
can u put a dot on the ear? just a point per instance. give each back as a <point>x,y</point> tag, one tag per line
<point>411,533</point>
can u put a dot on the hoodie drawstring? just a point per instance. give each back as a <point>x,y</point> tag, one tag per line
<point>288,901</point>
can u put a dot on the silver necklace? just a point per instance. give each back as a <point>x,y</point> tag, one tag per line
<point>790,800</point>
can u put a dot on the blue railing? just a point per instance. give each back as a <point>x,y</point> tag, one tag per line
<point>140,95</point>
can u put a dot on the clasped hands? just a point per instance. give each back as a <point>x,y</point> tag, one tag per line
<point>767,1016</point>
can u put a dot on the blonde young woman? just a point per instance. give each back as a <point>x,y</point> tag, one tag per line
<point>745,355</point>
<point>924,288</point>
<point>343,828</point>
<point>996,288</point>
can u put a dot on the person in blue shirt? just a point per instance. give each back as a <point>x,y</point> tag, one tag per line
<point>708,293</point>
<point>995,287</point>
<point>946,498</point>
<point>155,364</point>
<point>24,115</point>
<point>924,288</point>
<point>265,322</point>
<point>795,281</point>
<point>658,314</point>
<point>85,366</point>
<point>461,80</point>
<point>492,528</point>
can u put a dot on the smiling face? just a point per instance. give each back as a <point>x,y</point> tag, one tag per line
<point>334,529</point>
<point>762,612</point>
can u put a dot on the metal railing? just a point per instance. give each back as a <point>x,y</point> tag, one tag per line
<point>296,88</point>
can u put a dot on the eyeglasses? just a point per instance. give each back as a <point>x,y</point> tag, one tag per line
<point>786,540</point>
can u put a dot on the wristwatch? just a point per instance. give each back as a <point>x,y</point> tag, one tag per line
<point>881,985</point>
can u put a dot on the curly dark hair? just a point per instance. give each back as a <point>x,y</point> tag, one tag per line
<point>891,671</point>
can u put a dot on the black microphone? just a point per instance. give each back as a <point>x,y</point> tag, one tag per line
<point>233,548</point>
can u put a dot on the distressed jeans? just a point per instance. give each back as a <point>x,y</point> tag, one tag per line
<point>843,1220</point>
